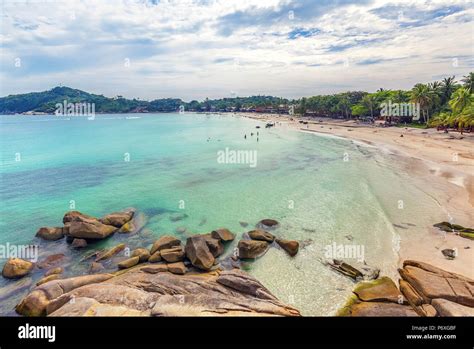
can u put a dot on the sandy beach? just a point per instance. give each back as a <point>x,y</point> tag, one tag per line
<point>445,162</point>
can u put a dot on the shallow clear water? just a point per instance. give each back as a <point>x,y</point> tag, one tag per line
<point>301,179</point>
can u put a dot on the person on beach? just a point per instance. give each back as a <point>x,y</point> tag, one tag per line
<point>245,137</point>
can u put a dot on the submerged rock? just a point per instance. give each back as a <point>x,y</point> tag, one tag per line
<point>51,260</point>
<point>79,243</point>
<point>261,235</point>
<point>267,223</point>
<point>107,254</point>
<point>290,246</point>
<point>251,249</point>
<point>50,233</point>
<point>16,268</point>
<point>178,217</point>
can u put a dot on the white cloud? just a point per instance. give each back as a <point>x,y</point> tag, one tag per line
<point>196,49</point>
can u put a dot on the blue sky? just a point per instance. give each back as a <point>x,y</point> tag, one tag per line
<point>195,49</point>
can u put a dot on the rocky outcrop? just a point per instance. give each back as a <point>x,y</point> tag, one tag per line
<point>36,302</point>
<point>16,268</point>
<point>79,225</point>
<point>142,291</point>
<point>50,233</point>
<point>430,285</point>
<point>251,249</point>
<point>424,291</point>
<point>198,253</point>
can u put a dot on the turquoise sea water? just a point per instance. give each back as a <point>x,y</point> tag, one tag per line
<point>156,163</point>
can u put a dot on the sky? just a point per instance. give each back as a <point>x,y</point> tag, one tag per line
<point>193,49</point>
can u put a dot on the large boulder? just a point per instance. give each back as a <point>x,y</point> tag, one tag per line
<point>223,234</point>
<point>117,219</point>
<point>16,268</point>
<point>290,246</point>
<point>164,242</point>
<point>198,253</point>
<point>250,249</point>
<point>50,233</point>
<point>78,225</point>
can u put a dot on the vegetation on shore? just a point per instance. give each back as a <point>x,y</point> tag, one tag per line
<point>445,103</point>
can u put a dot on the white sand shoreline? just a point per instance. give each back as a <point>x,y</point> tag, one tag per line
<point>447,160</point>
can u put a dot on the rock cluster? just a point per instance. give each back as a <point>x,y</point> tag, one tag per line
<point>260,240</point>
<point>424,290</point>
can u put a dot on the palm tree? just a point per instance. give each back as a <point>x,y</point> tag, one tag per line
<point>448,86</point>
<point>461,99</point>
<point>468,81</point>
<point>369,101</point>
<point>425,96</point>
